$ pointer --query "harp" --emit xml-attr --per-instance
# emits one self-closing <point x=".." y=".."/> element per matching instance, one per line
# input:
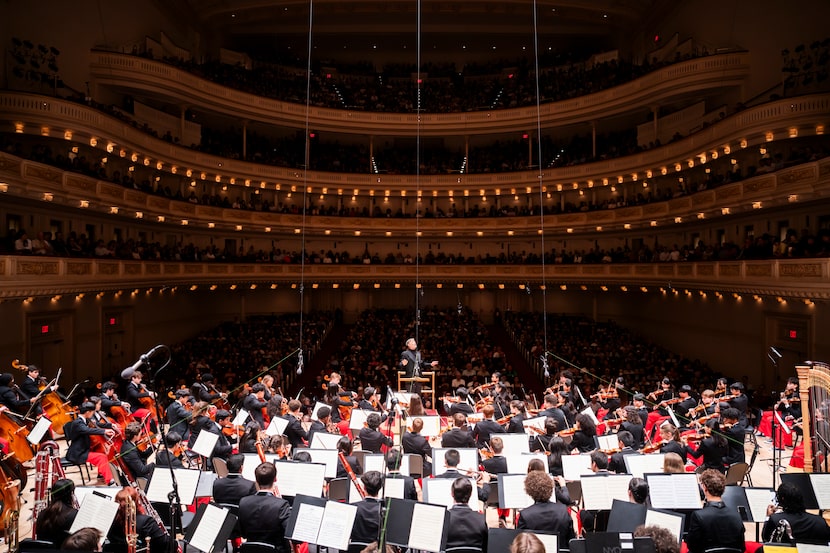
<point x="814" y="389"/>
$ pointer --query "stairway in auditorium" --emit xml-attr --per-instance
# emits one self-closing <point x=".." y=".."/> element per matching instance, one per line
<point x="319" y="362"/>
<point x="513" y="357"/>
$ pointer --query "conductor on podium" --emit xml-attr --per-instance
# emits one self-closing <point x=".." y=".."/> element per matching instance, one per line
<point x="412" y="363"/>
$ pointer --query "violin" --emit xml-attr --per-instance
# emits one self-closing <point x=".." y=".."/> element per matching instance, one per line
<point x="655" y="393"/>
<point x="614" y="422"/>
<point x="567" y="432"/>
<point x="486" y="453"/>
<point x="654" y="446"/>
<point x="505" y="419"/>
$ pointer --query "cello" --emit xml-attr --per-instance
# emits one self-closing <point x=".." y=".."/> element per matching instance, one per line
<point x="56" y="408"/>
<point x="15" y="433"/>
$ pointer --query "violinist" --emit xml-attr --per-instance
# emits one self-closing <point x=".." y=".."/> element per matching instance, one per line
<point x="268" y="382"/>
<point x="712" y="448"/>
<point x="518" y="411"/>
<point x="255" y="402"/>
<point x="413" y="442"/>
<point x="179" y="414"/>
<point x="134" y="458"/>
<point x="610" y="398"/>
<point x="738" y="400"/>
<point x="371" y="439"/>
<point x="687" y="403"/>
<point x="451" y="459"/>
<point x="170" y="455"/>
<point x="789" y="405"/>
<point x="277" y="405"/>
<point x="497" y="464"/>
<point x="277" y="446"/>
<point x="223" y="448"/>
<point x="11" y="397"/>
<point x="707" y="405"/>
<point x="371" y="402"/>
<point x="551" y="409"/>
<point x="294" y="431"/>
<point x="659" y="400"/>
<point x="583" y="439"/>
<point x="638" y="401"/>
<point x="458" y="435"/>
<point x="486" y="428"/>
<point x="461" y="406"/>
<point x="541" y="442"/>
<point x="78" y="433"/>
<point x="136" y="391"/>
<point x="232" y="488"/>
<point x="200" y="420"/>
<point x="249" y="438"/>
<point x="735" y="434"/>
<point x="626" y="443"/>
<point x="721" y="387"/>
<point x="633" y="423"/>
<point x="670" y="440"/>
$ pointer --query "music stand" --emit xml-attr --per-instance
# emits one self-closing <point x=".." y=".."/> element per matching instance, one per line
<point x="426" y="377"/>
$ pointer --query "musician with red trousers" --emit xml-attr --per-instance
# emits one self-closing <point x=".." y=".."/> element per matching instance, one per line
<point x="78" y="433"/>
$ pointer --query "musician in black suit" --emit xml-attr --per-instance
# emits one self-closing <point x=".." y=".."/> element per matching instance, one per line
<point x="371" y="439"/>
<point x="170" y="455"/>
<point x="132" y="457"/>
<point x="344" y="446"/>
<point x="136" y="392"/>
<point x="367" y="518"/>
<point x="805" y="527"/>
<point x="617" y="462"/>
<point x="486" y="428"/>
<point x="412" y="364"/>
<point x="232" y="488"/>
<point x="263" y="516"/>
<point x="551" y="409"/>
<point x="543" y="515"/>
<point x="451" y="460"/>
<point x="321" y="424"/>
<point x="517" y="409"/>
<point x="255" y="403"/>
<point x="223" y="447"/>
<point x="714" y="525"/>
<point x="295" y="433"/>
<point x="739" y="400"/>
<point x="467" y="528"/>
<point x="109" y="399"/>
<point x="638" y="401"/>
<point x="178" y="416"/>
<point x="413" y="442"/>
<point x="204" y="390"/>
<point x="30" y="387"/>
<point x="497" y="464"/>
<point x="633" y="423"/>
<point x="462" y="405"/>
<point x="393" y="470"/>
<point x="687" y="402"/>
<point x="371" y="402"/>
<point x="735" y="434"/>
<point x="458" y="436"/>
<point x="78" y="433"/>
<point x="10" y="396"/>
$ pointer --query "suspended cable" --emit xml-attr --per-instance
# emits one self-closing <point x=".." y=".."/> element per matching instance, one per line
<point x="419" y="291"/>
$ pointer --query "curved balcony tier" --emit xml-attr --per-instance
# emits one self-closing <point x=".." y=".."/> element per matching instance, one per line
<point x="683" y="79"/>
<point x="798" y="279"/>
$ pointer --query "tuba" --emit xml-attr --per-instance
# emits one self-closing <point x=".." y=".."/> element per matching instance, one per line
<point x="783" y="533"/>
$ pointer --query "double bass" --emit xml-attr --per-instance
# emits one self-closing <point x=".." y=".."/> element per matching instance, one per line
<point x="56" y="408"/>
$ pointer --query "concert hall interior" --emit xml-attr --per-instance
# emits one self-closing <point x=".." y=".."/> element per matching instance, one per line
<point x="537" y="217"/>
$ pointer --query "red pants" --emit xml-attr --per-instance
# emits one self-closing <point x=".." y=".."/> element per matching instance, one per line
<point x="102" y="463"/>
<point x="654" y="419"/>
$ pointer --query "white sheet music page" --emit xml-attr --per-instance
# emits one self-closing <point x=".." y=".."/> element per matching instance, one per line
<point x="674" y="491"/>
<point x="394" y="487"/>
<point x="324" y="441"/>
<point x="336" y="527"/>
<point x="514" y="443"/>
<point x="513" y="491"/>
<point x="759" y="499"/>
<point x="426" y="516"/>
<point x="241" y="416"/>
<point x="205" y="443"/>
<point x="550" y="541"/>
<point x="317" y="406"/>
<point x="469" y="459"/>
<point x="438" y="491"/>
<point x="358" y="418"/>
<point x="432" y="425"/>
<point x="575" y="466"/>
<point x="672" y="523"/>
<point x="599" y="492"/>
<point x="96" y="512"/>
<point x="162" y="484"/>
<point x="277" y="426"/>
<point x="37" y="433"/>
<point x="638" y="465"/>
<point x="308" y="523"/>
<point x="204" y="538"/>
<point x="300" y="478"/>
<point x="821" y="487"/>
<point x="517" y="463"/>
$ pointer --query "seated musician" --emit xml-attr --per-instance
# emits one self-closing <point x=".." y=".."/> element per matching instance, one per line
<point x="568" y="407"/>
<point x="321" y="425"/>
<point x="295" y="433"/>
<point x="467" y="528"/>
<point x="610" y="400"/>
<point x="336" y="398"/>
<point x="109" y="399"/>
<point x="11" y="398"/>
<point x="344" y="446"/>
<point x="171" y="453"/>
<point x="586" y="431"/>
<point x="526" y="542"/>
<point x="739" y="400"/>
<point x="805" y="527"/>
<point x="233" y="487"/>
<point x="79" y="452"/>
<point x="413" y="442"/>
<point x="588" y="517"/>
<point x="670" y="440"/>
<point x="83" y="539"/>
<point x="223" y="448"/>
<point x="558" y="448"/>
<point x="712" y="448"/>
<point x="706" y="408"/>
<point x="367" y="518"/>
<point x="263" y="517"/>
<point x="249" y="438"/>
<point x="255" y="404"/>
<point x="714" y="525"/>
<point x="200" y="420"/>
<point x="673" y="464"/>
<point x="633" y="423"/>
<point x="544" y="515"/>
<point x="497" y="464"/>
<point x="133" y="458"/>
<point x="393" y="470"/>
<point x="148" y="530"/>
<point x="458" y="435"/>
<point x="541" y="442"/>
<point x="735" y="433"/>
<point x="687" y="403"/>
<point x="663" y="538"/>
<point x="371" y="402"/>
<point x="638" y="491"/>
<point x="517" y="410"/>
<point x="99" y="417"/>
<point x="638" y="401"/>
<point x="371" y="439"/>
<point x="54" y="522"/>
<point x="721" y="387"/>
<point x="276" y="444"/>
<point x="204" y="390"/>
<point x="626" y="443"/>
<point x="30" y="387"/>
<point x="789" y="404"/>
<point x="486" y="428"/>
<point x="660" y="397"/>
<point x="179" y="415"/>
<point x="451" y="460"/>
<point x="461" y="406"/>
<point x="135" y="393"/>
<point x="551" y="408"/>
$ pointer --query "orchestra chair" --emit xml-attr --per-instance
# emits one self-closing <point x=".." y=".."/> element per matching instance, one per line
<point x="575" y="491"/>
<point x="416" y="465"/>
<point x="736" y="473"/>
<point x="339" y="489"/>
<point x="119" y="475"/>
<point x="257" y="547"/>
<point x="220" y="466"/>
<point x="360" y="455"/>
<point x="65" y="463"/>
<point x="142" y="482"/>
<point x="752" y="459"/>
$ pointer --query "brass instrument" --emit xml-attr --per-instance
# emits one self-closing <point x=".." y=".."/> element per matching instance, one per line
<point x="11" y="528"/>
<point x="130" y="532"/>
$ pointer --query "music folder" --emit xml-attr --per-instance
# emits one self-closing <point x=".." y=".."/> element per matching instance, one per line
<point x="801" y="480"/>
<point x="407" y="519"/>
<point x="319" y="521"/>
<point x="625" y="516"/>
<point x="211" y="527"/>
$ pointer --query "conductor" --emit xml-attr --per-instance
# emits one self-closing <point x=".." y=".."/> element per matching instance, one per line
<point x="413" y="365"/>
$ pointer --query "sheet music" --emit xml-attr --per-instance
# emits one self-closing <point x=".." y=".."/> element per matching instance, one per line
<point x="608" y="441"/>
<point x="517" y="464"/>
<point x="300" y="478"/>
<point x="438" y="491"/>
<point x="536" y="422"/>
<point x="638" y="465"/>
<point x="672" y="523"/>
<point x="277" y="426"/>
<point x="783" y="425"/>
<point x="426" y="516"/>
<point x="590" y="412"/>
<point x="821" y="487"/>
<point x="82" y="491"/>
<point x="213" y="518"/>
<point x="326" y="456"/>
<point x="394" y="487"/>
<point x="162" y="484"/>
<point x="205" y="487"/>
<point x="374" y="461"/>
<point x="808" y="548"/>
<point x="336" y="526"/>
<point x="575" y="466"/>
<point x="469" y="459"/>
<point x="308" y="523"/>
<point x="317" y="406"/>
<point x="512" y="488"/>
<point x="513" y="442"/>
<point x="673" y="418"/>
<point x="599" y="492"/>
<point x="550" y="541"/>
<point x="673" y="491"/>
<point x="403" y="397"/>
<point x="96" y="512"/>
<point x="356" y="422"/>
<point x="205" y="443"/>
<point x="432" y="425"/>
<point x="321" y="440"/>
<point x="354" y="495"/>
<point x="240" y="418"/>
<point x="39" y="430"/>
<point x="758" y="500"/>
<point x="252" y="461"/>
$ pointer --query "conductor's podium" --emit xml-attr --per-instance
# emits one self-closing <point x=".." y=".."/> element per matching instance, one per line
<point x="426" y="378"/>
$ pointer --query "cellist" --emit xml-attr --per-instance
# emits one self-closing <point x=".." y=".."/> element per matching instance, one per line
<point x="11" y="397"/>
<point x="136" y="392"/>
<point x="30" y="387"/>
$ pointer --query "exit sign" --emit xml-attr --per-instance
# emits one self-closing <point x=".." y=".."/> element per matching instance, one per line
<point x="793" y="335"/>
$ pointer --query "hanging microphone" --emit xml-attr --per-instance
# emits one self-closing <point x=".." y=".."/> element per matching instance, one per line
<point x="143" y="359"/>
<point x="300" y="362"/>
<point x="544" y="359"/>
